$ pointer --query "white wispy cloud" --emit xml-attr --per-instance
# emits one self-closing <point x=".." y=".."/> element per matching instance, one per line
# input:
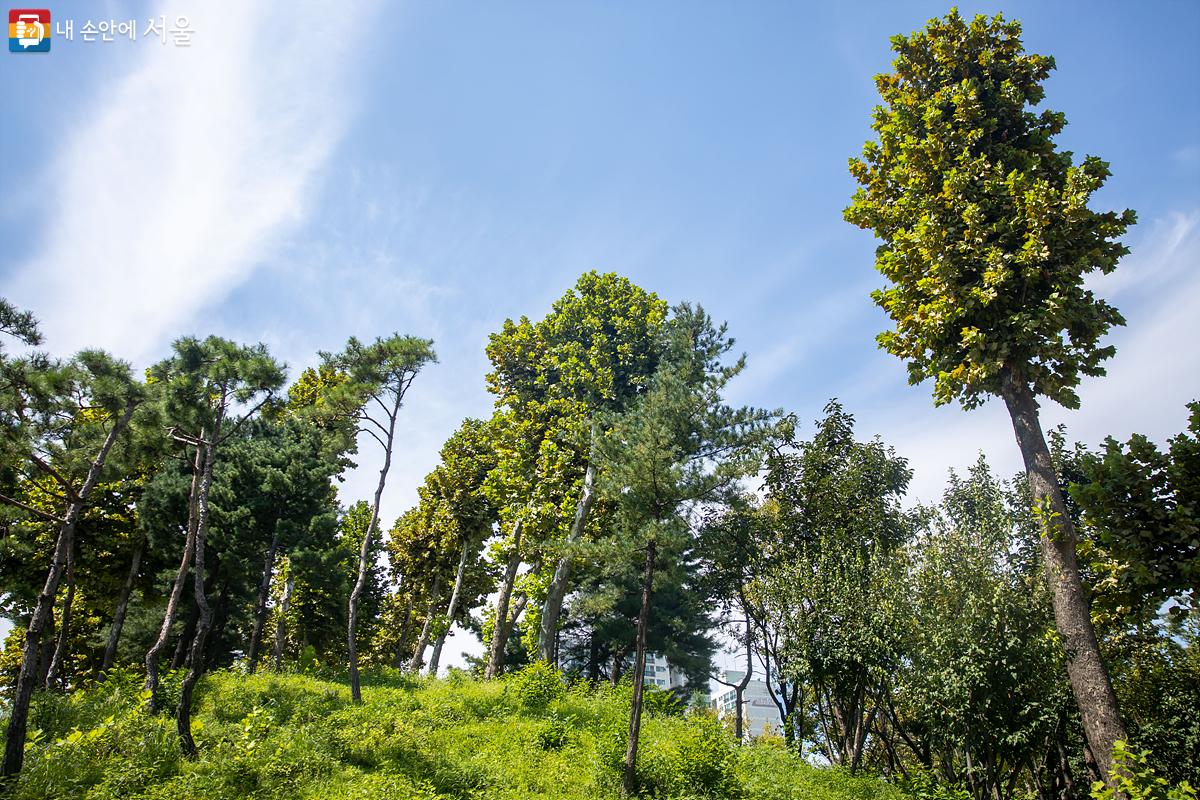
<point x="183" y="177"/>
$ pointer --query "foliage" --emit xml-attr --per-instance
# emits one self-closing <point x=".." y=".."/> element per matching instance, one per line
<point x="1141" y="509"/>
<point x="266" y="736"/>
<point x="986" y="232"/>
<point x="1135" y="780"/>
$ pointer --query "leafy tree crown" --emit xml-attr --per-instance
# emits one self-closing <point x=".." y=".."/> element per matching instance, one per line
<point x="986" y="232"/>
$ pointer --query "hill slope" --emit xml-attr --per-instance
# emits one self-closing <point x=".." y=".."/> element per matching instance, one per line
<point x="294" y="736"/>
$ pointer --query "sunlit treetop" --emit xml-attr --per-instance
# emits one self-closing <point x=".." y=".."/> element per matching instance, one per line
<point x="986" y="233"/>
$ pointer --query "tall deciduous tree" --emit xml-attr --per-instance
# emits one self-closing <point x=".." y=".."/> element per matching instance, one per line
<point x="591" y="355"/>
<point x="378" y="376"/>
<point x="832" y="573"/>
<point x="986" y="241"/>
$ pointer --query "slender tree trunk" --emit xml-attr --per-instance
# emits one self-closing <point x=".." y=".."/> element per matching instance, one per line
<point x="183" y="714"/>
<point x="184" y="640"/>
<point x="593" y="666"/>
<point x="629" y="781"/>
<point x="281" y="622"/>
<point x="557" y="591"/>
<point x="402" y="640"/>
<point x="360" y="583"/>
<point x="164" y="632"/>
<point x="118" y="622"/>
<point x="54" y="676"/>
<point x="260" y="610"/>
<point x="501" y="630"/>
<point x="419" y="651"/>
<point x="18" y="718"/>
<point x="743" y="683"/>
<point x="1089" y="678"/>
<point x="436" y="656"/>
<point x="46" y="653"/>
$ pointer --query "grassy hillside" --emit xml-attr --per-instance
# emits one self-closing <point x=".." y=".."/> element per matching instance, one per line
<point x="293" y="736"/>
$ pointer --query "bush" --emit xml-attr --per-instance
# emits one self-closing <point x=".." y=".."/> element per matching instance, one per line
<point x="1136" y="780"/>
<point x="537" y="685"/>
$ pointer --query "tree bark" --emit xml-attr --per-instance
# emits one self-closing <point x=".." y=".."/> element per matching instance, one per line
<point x="402" y="638"/>
<point x="54" y="676"/>
<point x="184" y="641"/>
<point x="118" y="622"/>
<point x="360" y="583"/>
<point x="1089" y="678"/>
<point x="436" y="656"/>
<point x="557" y="591"/>
<point x="419" y="651"/>
<point x="155" y="652"/>
<point x="183" y="714"/>
<point x="629" y="780"/>
<point x="18" y="719"/>
<point x="260" y="610"/>
<point x="281" y="622"/>
<point x="501" y="630"/>
<point x="740" y="688"/>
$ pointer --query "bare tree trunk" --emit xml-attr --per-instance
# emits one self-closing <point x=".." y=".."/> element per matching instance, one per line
<point x="155" y="652"/>
<point x="47" y="653"/>
<point x="740" y="688"/>
<point x="419" y="651"/>
<point x="118" y="622"/>
<point x="260" y="610"/>
<point x="1089" y="678"/>
<point x="184" y="641"/>
<point x="501" y="630"/>
<point x="436" y="656"/>
<point x="402" y="638"/>
<point x="18" y="718"/>
<point x="360" y="583"/>
<point x="281" y="622"/>
<point x="557" y="591"/>
<point x="629" y="780"/>
<point x="183" y="714"/>
<point x="54" y="678"/>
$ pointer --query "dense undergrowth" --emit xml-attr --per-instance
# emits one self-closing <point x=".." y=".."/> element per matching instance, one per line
<point x="297" y="736"/>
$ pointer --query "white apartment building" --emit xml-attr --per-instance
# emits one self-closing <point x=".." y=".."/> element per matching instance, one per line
<point x="661" y="674"/>
<point x="759" y="712"/>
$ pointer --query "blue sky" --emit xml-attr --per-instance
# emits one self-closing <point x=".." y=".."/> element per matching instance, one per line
<point x="307" y="171"/>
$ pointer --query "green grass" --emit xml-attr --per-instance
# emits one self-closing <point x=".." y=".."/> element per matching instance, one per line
<point x="295" y="736"/>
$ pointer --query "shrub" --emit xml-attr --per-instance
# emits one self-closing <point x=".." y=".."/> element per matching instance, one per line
<point x="1136" y="780"/>
<point x="537" y="685"/>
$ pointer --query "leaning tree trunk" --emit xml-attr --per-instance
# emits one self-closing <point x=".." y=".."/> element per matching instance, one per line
<point x="18" y="717"/>
<point x="1089" y="678"/>
<point x="557" y="591"/>
<point x="183" y="714"/>
<point x="629" y="781"/>
<point x="281" y="622"/>
<point x="54" y="676"/>
<point x="164" y="632"/>
<point x="419" y="651"/>
<point x="500" y="630"/>
<point x="360" y="582"/>
<point x="436" y="656"/>
<point x="118" y="622"/>
<point x="260" y="611"/>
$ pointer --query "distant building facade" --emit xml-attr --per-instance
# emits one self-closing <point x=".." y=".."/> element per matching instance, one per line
<point x="759" y="712"/>
<point x="660" y="673"/>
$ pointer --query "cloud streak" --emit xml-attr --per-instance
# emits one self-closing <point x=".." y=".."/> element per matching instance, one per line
<point x="183" y="177"/>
